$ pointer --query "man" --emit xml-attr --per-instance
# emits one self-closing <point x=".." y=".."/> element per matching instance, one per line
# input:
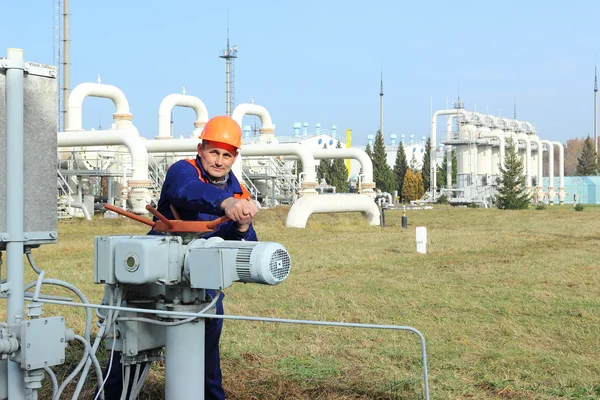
<point x="204" y="189"/>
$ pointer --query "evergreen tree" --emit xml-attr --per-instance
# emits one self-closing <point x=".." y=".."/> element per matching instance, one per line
<point x="414" y="165"/>
<point x="425" y="169"/>
<point x="400" y="167"/>
<point x="323" y="170"/>
<point x="512" y="190"/>
<point x="382" y="173"/>
<point x="339" y="174"/>
<point x="410" y="188"/>
<point x="420" y="186"/>
<point x="587" y="163"/>
<point x="369" y="151"/>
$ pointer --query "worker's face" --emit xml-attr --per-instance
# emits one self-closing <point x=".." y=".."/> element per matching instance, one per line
<point x="216" y="158"/>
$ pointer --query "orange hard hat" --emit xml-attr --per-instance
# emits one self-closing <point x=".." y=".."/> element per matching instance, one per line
<point x="223" y="129"/>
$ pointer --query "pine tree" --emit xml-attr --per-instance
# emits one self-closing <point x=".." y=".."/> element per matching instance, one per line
<point x="323" y="170"/>
<point x="410" y="188"/>
<point x="369" y="151"/>
<point x="400" y="167"/>
<point x="339" y="174"/>
<point x="382" y="173"/>
<point x="512" y="190"/>
<point x="587" y="163"/>
<point x="425" y="169"/>
<point x="414" y="165"/>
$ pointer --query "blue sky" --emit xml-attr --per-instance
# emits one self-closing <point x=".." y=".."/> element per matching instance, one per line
<point x="320" y="61"/>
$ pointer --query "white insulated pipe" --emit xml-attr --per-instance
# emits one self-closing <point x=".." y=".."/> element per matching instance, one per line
<point x="366" y="165"/>
<point x="540" y="159"/>
<point x="432" y="172"/>
<point x="308" y="161"/>
<point x="182" y="100"/>
<point x="259" y="111"/>
<point x="305" y="206"/>
<point x="172" y="146"/>
<point x="525" y="138"/>
<point x="561" y="172"/>
<point x="500" y="138"/>
<point x="139" y="182"/>
<point x="88" y="89"/>
<point x="551" y="192"/>
<point x="449" y="150"/>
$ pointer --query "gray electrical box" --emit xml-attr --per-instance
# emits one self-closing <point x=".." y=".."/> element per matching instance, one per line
<point x="40" y="150"/>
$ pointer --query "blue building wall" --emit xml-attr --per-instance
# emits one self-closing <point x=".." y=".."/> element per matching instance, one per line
<point x="587" y="189"/>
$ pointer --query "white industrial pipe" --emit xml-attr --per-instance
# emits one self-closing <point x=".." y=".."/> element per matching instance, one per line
<point x="449" y="120"/>
<point x="366" y="165"/>
<point x="540" y="159"/>
<point x="139" y="182"/>
<point x="172" y="146"/>
<point x="308" y="162"/>
<point x="525" y="138"/>
<point x="254" y="109"/>
<point x="500" y="138"/>
<point x="432" y="168"/>
<point x="84" y="90"/>
<point x="331" y="203"/>
<point x="551" y="192"/>
<point x="172" y="100"/>
<point x="561" y="172"/>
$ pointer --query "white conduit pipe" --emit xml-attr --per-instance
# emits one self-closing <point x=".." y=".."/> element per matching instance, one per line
<point x="540" y="159"/>
<point x="550" y="149"/>
<point x="83" y="90"/>
<point x="254" y="109"/>
<point x="307" y="205"/>
<point x="172" y="146"/>
<point x="449" y="150"/>
<point x="500" y="138"/>
<point x="561" y="172"/>
<point x="308" y="161"/>
<point x="139" y="182"/>
<point x="433" y="151"/>
<point x="366" y="165"/>
<point x="172" y="100"/>
<point x="525" y="138"/>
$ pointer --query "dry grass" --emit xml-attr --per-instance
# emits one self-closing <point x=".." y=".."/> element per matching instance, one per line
<point x="508" y="303"/>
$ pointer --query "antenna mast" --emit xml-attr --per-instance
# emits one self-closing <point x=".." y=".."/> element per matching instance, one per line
<point x="596" y="110"/>
<point x="381" y="106"/>
<point x="229" y="54"/>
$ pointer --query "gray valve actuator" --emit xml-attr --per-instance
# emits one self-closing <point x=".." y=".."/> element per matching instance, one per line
<point x="203" y="263"/>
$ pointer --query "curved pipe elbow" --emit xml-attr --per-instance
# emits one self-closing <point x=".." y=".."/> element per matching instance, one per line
<point x="361" y="156"/>
<point x="305" y="156"/>
<point x="182" y="100"/>
<point x="305" y="206"/>
<point x="87" y="89"/>
<point x="253" y="109"/>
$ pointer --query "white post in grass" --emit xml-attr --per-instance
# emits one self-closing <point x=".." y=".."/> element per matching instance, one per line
<point x="421" y="240"/>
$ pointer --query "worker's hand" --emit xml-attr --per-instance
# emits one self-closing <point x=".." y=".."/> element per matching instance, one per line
<point x="240" y="210"/>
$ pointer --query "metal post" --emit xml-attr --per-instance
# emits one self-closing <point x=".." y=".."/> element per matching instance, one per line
<point x="66" y="65"/>
<point x="184" y="361"/>
<point x="15" y="206"/>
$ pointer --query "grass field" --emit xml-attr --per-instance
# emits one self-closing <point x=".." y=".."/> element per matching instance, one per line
<point x="508" y="301"/>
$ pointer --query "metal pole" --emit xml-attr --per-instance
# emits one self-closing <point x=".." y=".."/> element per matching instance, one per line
<point x="66" y="65"/>
<point x="15" y="207"/>
<point x="228" y="86"/>
<point x="184" y="361"/>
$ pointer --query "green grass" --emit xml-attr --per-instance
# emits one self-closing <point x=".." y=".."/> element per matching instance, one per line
<point x="507" y="300"/>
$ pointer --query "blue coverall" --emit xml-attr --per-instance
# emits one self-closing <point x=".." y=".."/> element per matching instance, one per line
<point x="195" y="200"/>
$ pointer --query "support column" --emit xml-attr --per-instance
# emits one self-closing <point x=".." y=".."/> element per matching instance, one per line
<point x="15" y="207"/>
<point x="184" y="361"/>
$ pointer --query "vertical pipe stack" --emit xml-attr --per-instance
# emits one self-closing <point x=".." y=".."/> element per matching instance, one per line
<point x="15" y="208"/>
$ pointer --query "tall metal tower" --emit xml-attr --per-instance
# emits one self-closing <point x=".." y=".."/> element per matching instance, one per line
<point x="381" y="106"/>
<point x="596" y="110"/>
<point x="57" y="58"/>
<point x="66" y="64"/>
<point x="229" y="54"/>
